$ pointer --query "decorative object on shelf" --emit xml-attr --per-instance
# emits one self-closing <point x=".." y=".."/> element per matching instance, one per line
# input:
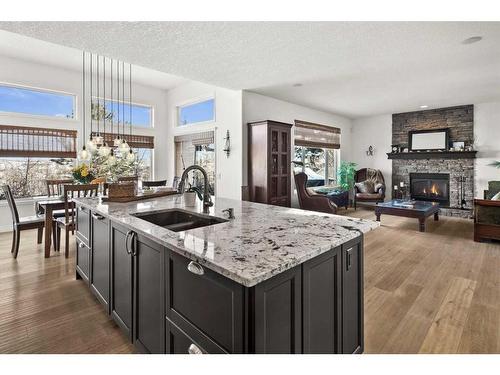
<point x="459" y="146"/>
<point x="369" y="152"/>
<point x="82" y="174"/>
<point x="394" y="149"/>
<point x="227" y="144"/>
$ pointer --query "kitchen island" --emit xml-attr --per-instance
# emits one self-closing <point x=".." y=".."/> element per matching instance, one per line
<point x="269" y="280"/>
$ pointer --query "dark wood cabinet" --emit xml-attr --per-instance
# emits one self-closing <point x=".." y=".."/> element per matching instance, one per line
<point x="167" y="303"/>
<point x="322" y="293"/>
<point x="352" y="297"/>
<point x="269" y="162"/>
<point x="99" y="258"/>
<point x="277" y="309"/>
<point x="83" y="225"/>
<point x="149" y="296"/>
<point x="82" y="260"/>
<point x="121" y="299"/>
<point x="209" y="302"/>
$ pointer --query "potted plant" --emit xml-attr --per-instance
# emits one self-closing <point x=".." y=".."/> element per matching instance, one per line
<point x="346" y="176"/>
<point x="190" y="196"/>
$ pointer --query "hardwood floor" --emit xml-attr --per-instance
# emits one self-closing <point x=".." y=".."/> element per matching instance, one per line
<point x="433" y="292"/>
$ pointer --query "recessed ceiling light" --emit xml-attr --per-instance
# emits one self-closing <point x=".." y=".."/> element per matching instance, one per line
<point x="424" y="106"/>
<point x="472" y="39"/>
<point x="297" y="84"/>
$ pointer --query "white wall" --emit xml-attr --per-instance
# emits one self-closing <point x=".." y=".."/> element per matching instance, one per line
<point x="228" y="109"/>
<point x="487" y="134"/>
<point x="25" y="73"/>
<point x="377" y="132"/>
<point x="258" y="107"/>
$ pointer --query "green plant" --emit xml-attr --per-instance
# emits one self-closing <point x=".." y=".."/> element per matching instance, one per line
<point x="495" y="164"/>
<point x="195" y="189"/>
<point x="346" y="175"/>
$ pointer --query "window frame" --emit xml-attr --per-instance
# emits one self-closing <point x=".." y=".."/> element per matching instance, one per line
<point x="192" y="102"/>
<point x="150" y="106"/>
<point x="326" y="170"/>
<point x="74" y="96"/>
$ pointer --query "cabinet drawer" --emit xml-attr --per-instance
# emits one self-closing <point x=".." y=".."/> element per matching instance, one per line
<point x="82" y="259"/>
<point x="189" y="341"/>
<point x="83" y="224"/>
<point x="210" y="302"/>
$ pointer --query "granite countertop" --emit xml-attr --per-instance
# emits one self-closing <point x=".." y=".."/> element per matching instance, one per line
<point x="260" y="242"/>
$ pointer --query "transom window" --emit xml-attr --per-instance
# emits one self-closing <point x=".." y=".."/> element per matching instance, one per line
<point x="142" y="115"/>
<point x="24" y="100"/>
<point x="203" y="111"/>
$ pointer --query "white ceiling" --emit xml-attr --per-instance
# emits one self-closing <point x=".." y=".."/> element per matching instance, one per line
<point x="34" y="50"/>
<point x="351" y="68"/>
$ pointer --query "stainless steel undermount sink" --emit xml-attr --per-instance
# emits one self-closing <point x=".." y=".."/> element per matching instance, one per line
<point x="178" y="220"/>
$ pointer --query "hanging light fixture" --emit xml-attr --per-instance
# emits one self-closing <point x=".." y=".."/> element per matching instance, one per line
<point x="124" y="147"/>
<point x="104" y="150"/>
<point x="97" y="138"/>
<point x="117" y="141"/>
<point x="91" y="144"/>
<point x="131" y="155"/>
<point x="83" y="155"/>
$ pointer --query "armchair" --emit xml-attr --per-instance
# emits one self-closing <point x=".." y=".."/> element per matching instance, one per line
<point x="378" y="179"/>
<point x="309" y="200"/>
<point x="486" y="219"/>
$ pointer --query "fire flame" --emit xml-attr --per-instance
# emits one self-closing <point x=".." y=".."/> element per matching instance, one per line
<point x="434" y="190"/>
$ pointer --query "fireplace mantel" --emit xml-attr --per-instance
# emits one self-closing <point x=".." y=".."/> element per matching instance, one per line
<point x="433" y="155"/>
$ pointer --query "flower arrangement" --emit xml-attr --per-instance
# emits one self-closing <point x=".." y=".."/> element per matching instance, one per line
<point x="82" y="174"/>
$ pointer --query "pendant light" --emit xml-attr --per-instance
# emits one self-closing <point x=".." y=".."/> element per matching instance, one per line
<point x="83" y="155"/>
<point x="91" y="144"/>
<point x="98" y="139"/>
<point x="124" y="147"/>
<point x="131" y="155"/>
<point x="117" y="141"/>
<point x="104" y="150"/>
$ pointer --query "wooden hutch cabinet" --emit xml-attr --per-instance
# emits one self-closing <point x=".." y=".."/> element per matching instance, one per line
<point x="269" y="162"/>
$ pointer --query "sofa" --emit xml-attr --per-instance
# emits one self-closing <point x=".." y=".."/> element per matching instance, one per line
<point x="487" y="214"/>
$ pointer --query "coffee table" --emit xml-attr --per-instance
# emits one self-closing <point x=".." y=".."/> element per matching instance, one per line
<point x="421" y="210"/>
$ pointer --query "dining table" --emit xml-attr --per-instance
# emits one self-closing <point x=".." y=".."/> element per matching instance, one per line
<point x="47" y="207"/>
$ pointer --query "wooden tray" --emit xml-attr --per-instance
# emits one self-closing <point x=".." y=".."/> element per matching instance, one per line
<point x="141" y="196"/>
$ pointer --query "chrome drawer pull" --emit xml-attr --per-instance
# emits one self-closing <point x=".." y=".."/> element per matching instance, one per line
<point x="195" y="268"/>
<point x="193" y="349"/>
<point x="97" y="216"/>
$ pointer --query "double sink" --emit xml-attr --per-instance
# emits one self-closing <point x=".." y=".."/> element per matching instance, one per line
<point x="178" y="220"/>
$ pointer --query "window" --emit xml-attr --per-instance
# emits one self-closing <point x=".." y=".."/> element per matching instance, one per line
<point x="142" y="115"/>
<point x="196" y="112"/>
<point x="144" y="163"/>
<point x="28" y="101"/>
<point x="26" y="175"/>
<point x="196" y="149"/>
<point x="320" y="165"/>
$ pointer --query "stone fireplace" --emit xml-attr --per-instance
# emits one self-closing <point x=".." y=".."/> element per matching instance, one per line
<point x="452" y="174"/>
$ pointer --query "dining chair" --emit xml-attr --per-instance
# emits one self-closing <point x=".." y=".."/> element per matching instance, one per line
<point x="23" y="223"/>
<point x="128" y="178"/>
<point x="154" y="183"/>
<point x="55" y="187"/>
<point x="69" y="220"/>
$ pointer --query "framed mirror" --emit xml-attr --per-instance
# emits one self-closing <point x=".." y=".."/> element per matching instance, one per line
<point x="434" y="140"/>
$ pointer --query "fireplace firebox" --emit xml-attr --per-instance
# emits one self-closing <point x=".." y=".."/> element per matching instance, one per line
<point x="434" y="187"/>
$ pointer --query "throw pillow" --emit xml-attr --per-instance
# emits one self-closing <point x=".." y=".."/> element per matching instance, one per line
<point x="378" y="186"/>
<point x="496" y="197"/>
<point x="365" y="187"/>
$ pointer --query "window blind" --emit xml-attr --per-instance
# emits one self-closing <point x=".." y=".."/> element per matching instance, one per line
<point x="309" y="134"/>
<point x="24" y="141"/>
<point x="134" y="141"/>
